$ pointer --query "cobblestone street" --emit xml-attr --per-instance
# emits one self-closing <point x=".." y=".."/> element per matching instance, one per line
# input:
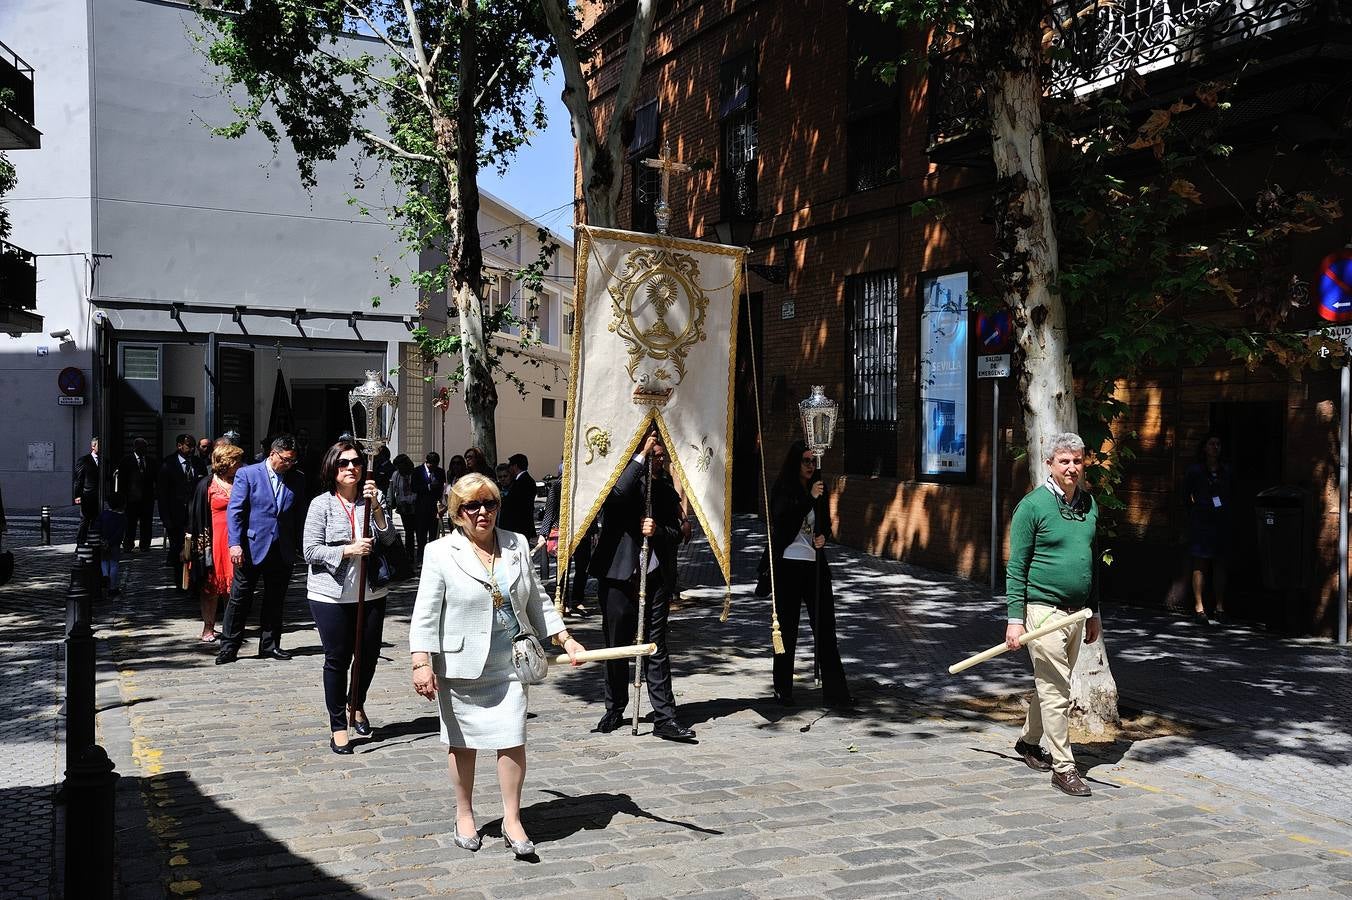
<point x="228" y="788"/>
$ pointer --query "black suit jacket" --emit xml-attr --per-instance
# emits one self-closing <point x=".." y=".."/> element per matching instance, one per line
<point x="85" y="484"/>
<point x="136" y="480"/>
<point x="617" y="549"/>
<point x="518" y="508"/>
<point x="174" y="488"/>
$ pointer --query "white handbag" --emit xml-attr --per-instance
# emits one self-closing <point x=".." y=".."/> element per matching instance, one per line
<point x="528" y="654"/>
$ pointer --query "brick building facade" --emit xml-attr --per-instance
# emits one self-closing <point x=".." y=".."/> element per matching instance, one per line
<point x="823" y="166"/>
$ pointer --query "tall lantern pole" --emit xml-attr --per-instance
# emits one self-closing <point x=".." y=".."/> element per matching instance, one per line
<point x="372" y="404"/>
<point x="819" y="414"/>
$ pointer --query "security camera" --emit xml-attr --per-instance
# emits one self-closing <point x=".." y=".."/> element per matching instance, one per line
<point x="100" y="315"/>
<point x="62" y="335"/>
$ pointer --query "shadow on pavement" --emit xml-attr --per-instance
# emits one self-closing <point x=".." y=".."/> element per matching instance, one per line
<point x="176" y="841"/>
<point x="564" y="816"/>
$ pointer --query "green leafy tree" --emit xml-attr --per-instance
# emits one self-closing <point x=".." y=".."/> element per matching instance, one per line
<point x="432" y="89"/>
<point x="8" y="180"/>
<point x="1108" y="299"/>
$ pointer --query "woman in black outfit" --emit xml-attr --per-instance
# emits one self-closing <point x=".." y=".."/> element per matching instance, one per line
<point x="803" y="575"/>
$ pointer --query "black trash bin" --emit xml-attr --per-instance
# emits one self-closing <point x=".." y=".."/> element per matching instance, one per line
<point x="1282" y="519"/>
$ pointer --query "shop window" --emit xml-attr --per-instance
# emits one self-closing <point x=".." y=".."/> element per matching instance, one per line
<point x="871" y="407"/>
<point x="943" y="375"/>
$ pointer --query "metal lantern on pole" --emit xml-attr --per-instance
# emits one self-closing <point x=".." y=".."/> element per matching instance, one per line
<point x="819" y="414"/>
<point x="372" y="405"/>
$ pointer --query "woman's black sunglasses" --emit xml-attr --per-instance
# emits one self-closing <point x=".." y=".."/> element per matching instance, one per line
<point x="343" y="462"/>
<point x="473" y="506"/>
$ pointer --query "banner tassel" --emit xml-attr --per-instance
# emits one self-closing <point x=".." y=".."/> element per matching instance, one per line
<point x="727" y="604"/>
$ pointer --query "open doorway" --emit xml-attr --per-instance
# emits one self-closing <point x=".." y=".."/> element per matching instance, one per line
<point x="1252" y="437"/>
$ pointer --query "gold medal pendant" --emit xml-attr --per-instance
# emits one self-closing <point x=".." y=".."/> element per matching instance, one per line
<point x="498" y="599"/>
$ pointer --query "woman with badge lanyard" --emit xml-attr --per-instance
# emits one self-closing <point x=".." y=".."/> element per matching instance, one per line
<point x="803" y="576"/>
<point x="333" y="548"/>
<point x="1208" y="484"/>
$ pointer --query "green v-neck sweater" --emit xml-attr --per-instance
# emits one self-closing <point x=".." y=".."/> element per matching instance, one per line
<point x="1051" y="555"/>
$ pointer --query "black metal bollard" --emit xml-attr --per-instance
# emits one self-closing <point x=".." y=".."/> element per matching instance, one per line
<point x="90" y="823"/>
<point x="79" y="661"/>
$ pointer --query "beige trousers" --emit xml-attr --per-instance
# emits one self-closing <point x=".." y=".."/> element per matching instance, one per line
<point x="1053" y="659"/>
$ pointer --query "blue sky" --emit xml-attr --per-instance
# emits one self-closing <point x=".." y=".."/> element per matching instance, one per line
<point x="539" y="181"/>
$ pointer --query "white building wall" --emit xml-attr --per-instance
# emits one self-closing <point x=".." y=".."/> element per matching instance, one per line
<point x="521" y="424"/>
<point x="129" y="168"/>
<point x="51" y="214"/>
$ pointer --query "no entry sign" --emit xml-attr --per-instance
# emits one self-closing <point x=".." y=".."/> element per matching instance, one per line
<point x="1335" y="286"/>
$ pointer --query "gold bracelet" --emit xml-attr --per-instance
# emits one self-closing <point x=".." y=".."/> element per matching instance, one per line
<point x="417" y="666"/>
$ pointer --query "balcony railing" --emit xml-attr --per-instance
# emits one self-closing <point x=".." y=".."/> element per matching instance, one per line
<point x="18" y="278"/>
<point x="1093" y="50"/>
<point x="16" y="103"/>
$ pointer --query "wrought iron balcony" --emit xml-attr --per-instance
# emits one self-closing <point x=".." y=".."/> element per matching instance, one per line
<point x="18" y="290"/>
<point x="1163" y="41"/>
<point x="16" y="103"/>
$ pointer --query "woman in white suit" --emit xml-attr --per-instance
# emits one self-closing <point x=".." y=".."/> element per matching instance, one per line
<point x="475" y="582"/>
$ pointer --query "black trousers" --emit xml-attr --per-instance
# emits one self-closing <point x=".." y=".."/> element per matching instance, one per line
<point x="409" y="523"/>
<point x="424" y="523"/>
<point x="337" y="624"/>
<point x="794" y="589"/>
<point x="275" y="573"/>
<point x="581" y="561"/>
<point x="89" y="511"/>
<point x="173" y="542"/>
<point x="619" y="622"/>
<point x="139" y="515"/>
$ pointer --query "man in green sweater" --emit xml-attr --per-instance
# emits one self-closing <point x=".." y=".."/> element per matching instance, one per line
<point x="1051" y="573"/>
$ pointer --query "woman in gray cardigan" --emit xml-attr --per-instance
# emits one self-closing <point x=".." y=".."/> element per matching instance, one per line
<point x="478" y="591"/>
<point x="333" y="548"/>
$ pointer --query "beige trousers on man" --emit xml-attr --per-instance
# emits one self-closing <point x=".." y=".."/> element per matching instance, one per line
<point x="1053" y="659"/>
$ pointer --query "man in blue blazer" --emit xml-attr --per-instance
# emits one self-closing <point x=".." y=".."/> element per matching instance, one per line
<point x="264" y="521"/>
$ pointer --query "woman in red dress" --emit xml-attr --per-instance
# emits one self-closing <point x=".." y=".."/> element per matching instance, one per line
<point x="212" y="572"/>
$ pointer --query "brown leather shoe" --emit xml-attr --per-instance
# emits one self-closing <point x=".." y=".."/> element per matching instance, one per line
<point x="1034" y="756"/>
<point x="1070" y="783"/>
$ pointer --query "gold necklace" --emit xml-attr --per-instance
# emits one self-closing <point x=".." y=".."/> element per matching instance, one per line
<point x="493" y="590"/>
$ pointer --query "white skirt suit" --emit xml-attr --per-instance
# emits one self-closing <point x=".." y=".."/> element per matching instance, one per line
<point x="483" y="705"/>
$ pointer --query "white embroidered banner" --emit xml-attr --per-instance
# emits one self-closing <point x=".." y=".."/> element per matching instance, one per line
<point x="654" y="340"/>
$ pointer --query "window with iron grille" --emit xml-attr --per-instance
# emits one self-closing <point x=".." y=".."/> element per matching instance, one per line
<point x="873" y="105"/>
<point x="871" y="378"/>
<point x="645" y="179"/>
<point x="739" y="148"/>
<point x="547" y="407"/>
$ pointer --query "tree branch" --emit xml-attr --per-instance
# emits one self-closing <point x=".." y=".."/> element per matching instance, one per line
<point x="371" y="76"/>
<point x="575" y="94"/>
<point x="394" y="148"/>
<point x="415" y="38"/>
<point x="633" y="66"/>
<point x="385" y="38"/>
<point x="489" y="83"/>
